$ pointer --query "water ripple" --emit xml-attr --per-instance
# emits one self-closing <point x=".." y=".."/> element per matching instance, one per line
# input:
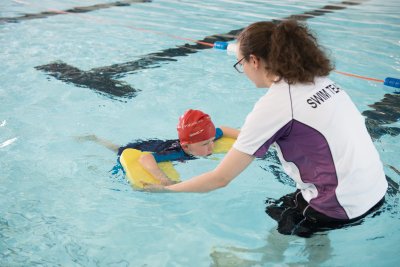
<point x="8" y="142"/>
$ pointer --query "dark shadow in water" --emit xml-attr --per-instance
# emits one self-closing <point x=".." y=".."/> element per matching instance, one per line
<point x="94" y="78"/>
<point x="272" y="164"/>
<point x="82" y="9"/>
<point x="111" y="88"/>
<point x="393" y="188"/>
<point x="386" y="111"/>
<point x="153" y="60"/>
<point x="82" y="78"/>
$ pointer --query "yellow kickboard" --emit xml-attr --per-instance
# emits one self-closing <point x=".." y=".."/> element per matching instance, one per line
<point x="139" y="177"/>
<point x="223" y="145"/>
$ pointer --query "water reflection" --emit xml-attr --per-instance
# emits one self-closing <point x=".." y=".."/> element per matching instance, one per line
<point x="316" y="251"/>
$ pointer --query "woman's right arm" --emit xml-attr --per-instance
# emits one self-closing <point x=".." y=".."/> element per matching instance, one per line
<point x="231" y="166"/>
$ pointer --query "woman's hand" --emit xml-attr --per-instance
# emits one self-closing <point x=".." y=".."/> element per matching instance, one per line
<point x="156" y="188"/>
<point x="166" y="181"/>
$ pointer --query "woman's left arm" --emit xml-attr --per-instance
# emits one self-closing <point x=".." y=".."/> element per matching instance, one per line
<point x="231" y="166"/>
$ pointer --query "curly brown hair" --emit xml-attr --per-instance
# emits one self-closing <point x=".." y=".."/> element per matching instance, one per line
<point x="289" y="50"/>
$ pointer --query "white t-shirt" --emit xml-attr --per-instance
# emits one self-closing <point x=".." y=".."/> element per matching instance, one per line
<point x="322" y="143"/>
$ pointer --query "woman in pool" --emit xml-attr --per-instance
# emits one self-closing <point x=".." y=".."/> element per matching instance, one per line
<point x="319" y="134"/>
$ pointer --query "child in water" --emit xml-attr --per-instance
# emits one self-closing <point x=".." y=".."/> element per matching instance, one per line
<point x="196" y="133"/>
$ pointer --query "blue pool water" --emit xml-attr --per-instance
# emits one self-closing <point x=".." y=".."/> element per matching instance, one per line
<point x="61" y="205"/>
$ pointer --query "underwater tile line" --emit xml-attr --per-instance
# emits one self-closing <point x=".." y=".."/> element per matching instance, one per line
<point x="83" y="9"/>
<point x="103" y="79"/>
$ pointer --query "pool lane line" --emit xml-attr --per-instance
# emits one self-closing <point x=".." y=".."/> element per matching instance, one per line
<point x="394" y="169"/>
<point x="393" y="186"/>
<point x="394" y="82"/>
<point x="104" y="82"/>
<point x="389" y="81"/>
<point x="101" y="84"/>
<point x="75" y="10"/>
<point x="90" y="78"/>
<point x="359" y="76"/>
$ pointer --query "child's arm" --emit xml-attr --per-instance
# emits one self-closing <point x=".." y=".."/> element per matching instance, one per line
<point x="149" y="164"/>
<point x="230" y="132"/>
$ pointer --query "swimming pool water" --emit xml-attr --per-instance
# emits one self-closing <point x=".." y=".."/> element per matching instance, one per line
<point x="61" y="205"/>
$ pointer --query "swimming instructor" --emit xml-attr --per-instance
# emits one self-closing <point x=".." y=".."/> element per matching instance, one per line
<point x="316" y="129"/>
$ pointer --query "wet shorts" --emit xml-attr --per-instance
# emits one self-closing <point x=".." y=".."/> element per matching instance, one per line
<point x="296" y="217"/>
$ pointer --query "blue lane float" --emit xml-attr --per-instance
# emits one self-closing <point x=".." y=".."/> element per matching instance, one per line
<point x="229" y="47"/>
<point x="220" y="45"/>
<point x="392" y="82"/>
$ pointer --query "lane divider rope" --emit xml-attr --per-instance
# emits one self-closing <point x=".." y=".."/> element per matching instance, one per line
<point x="231" y="48"/>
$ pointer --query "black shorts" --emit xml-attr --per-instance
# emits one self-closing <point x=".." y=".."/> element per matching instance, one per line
<point x="296" y="217"/>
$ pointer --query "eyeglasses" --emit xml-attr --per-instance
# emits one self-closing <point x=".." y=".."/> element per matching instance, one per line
<point x="239" y="66"/>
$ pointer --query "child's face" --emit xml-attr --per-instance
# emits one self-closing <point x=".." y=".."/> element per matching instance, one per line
<point x="201" y="149"/>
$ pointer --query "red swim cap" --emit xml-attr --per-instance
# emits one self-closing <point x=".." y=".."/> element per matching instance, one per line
<point x="195" y="126"/>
